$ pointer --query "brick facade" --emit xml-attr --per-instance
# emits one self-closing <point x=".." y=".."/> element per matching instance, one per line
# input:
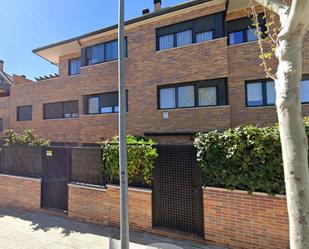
<point x="146" y="70"/>
<point x="238" y="220"/>
<point x="20" y="192"/>
<point x="101" y="206"/>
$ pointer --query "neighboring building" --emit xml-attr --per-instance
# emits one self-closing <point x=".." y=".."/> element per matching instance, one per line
<point x="191" y="67"/>
<point x="6" y="82"/>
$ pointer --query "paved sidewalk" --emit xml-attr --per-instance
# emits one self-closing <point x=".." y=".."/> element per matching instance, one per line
<point x="25" y="230"/>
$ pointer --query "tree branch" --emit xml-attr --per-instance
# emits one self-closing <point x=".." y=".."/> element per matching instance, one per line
<point x="276" y="6"/>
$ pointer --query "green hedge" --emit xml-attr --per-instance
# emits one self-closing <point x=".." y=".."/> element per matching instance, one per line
<point x="141" y="159"/>
<point x="247" y="158"/>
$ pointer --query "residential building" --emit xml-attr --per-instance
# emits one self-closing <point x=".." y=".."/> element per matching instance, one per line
<point x="189" y="68"/>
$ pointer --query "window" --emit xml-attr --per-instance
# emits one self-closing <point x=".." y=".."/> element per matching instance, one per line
<point x="242" y="30"/>
<point x="193" y="31"/>
<point x="196" y="94"/>
<point x="304" y="91"/>
<point x="102" y="103"/>
<point x="184" y="38"/>
<point x="167" y="98"/>
<point x="1" y="124"/>
<point x="263" y="93"/>
<point x="74" y="66"/>
<point x="67" y="109"/>
<point x="24" y="113"/>
<point x="255" y="94"/>
<point x="270" y="93"/>
<point x="99" y="53"/>
<point x="166" y="42"/>
<point x="93" y="105"/>
<point x="207" y="96"/>
<point x="186" y="96"/>
<point x="204" y="36"/>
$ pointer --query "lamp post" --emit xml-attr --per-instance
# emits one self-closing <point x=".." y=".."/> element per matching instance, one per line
<point x="123" y="171"/>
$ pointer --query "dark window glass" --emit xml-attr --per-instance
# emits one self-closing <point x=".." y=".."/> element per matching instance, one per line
<point x="24" y="113"/>
<point x="111" y="49"/>
<point x="103" y="103"/>
<point x="74" y="66"/>
<point x="236" y="37"/>
<point x="196" y="94"/>
<point x="1" y="124"/>
<point x="193" y="31"/>
<point x="67" y="109"/>
<point x="103" y="52"/>
<point x="242" y="30"/>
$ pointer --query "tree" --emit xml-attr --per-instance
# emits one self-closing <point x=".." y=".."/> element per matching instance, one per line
<point x="294" y="24"/>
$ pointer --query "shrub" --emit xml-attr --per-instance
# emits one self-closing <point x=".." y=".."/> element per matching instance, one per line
<point x="28" y="138"/>
<point x="141" y="158"/>
<point x="247" y="158"/>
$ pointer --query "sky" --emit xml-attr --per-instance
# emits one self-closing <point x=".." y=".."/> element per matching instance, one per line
<point x="28" y="24"/>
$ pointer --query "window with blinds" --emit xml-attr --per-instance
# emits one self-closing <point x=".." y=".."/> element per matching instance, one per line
<point x="67" y="109"/>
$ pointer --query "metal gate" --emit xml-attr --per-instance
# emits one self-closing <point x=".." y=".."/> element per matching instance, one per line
<point x="56" y="161"/>
<point x="177" y="194"/>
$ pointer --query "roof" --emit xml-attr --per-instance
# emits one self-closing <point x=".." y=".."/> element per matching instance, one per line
<point x="7" y="77"/>
<point x="74" y="42"/>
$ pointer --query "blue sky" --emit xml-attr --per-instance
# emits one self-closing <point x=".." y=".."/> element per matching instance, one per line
<point x="28" y="24"/>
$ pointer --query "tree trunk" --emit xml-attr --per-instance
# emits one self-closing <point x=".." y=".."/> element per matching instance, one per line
<point x="293" y="137"/>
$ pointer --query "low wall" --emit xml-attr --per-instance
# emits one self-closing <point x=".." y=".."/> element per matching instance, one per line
<point x="99" y="205"/>
<point x="239" y="220"/>
<point x="20" y="192"/>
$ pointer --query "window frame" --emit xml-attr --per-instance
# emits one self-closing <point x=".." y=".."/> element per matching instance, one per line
<point x="245" y="31"/>
<point x="264" y="92"/>
<point x="18" y="115"/>
<point x="69" y="66"/>
<point x="100" y="96"/>
<point x="214" y="22"/>
<point x="89" y="48"/>
<point x="304" y="78"/>
<point x="63" y="113"/>
<point x="206" y="31"/>
<point x="197" y="84"/>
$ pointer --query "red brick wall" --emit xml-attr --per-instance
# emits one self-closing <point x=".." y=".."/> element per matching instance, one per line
<point x="102" y="206"/>
<point x="20" y="192"/>
<point x="238" y="220"/>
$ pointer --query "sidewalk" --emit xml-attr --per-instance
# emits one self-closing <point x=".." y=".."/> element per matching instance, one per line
<point x="25" y="230"/>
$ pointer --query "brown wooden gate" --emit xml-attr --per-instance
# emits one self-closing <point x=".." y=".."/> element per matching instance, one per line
<point x="56" y="161"/>
<point x="177" y="194"/>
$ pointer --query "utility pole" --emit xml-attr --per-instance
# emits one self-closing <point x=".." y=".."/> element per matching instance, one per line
<point x="123" y="169"/>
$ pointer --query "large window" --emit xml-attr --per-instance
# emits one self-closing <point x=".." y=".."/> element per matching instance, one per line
<point x="24" y="113"/>
<point x="74" y="66"/>
<point x="67" y="109"/>
<point x="102" y="52"/>
<point x="195" y="94"/>
<point x="242" y="30"/>
<point x="263" y="93"/>
<point x="102" y="103"/>
<point x="193" y="31"/>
